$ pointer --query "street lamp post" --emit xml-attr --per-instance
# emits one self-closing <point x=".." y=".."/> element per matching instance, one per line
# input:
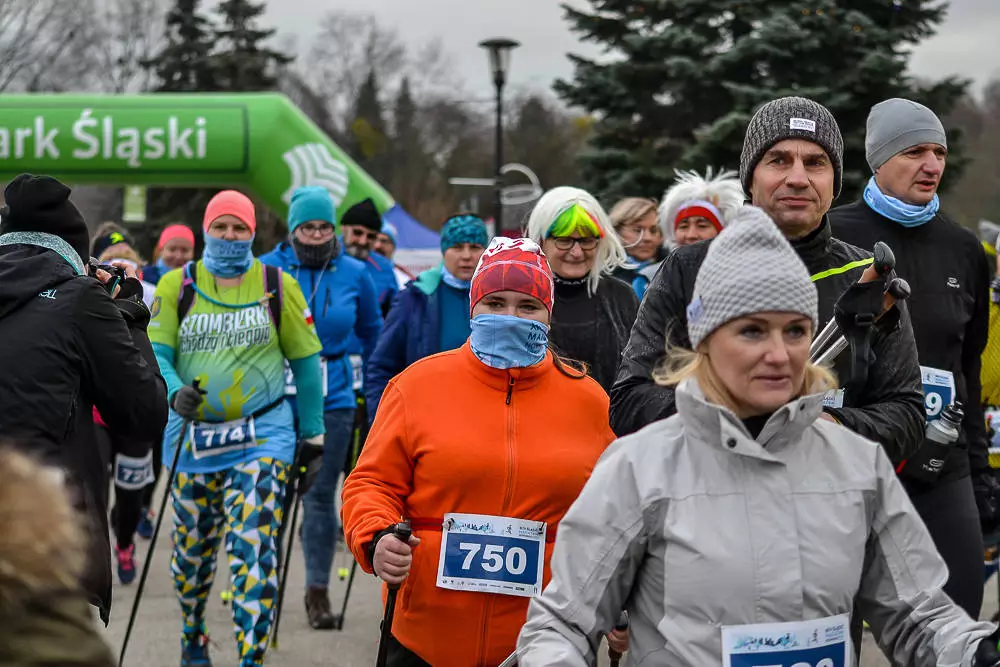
<point x="499" y="50"/>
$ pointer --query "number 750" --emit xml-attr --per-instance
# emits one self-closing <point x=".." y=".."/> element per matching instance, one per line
<point x="493" y="558"/>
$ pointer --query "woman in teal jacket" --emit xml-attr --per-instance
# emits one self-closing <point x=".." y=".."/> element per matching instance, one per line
<point x="343" y="300"/>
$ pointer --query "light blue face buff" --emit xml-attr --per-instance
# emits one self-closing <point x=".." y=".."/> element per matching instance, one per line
<point x="227" y="259"/>
<point x="908" y="215"/>
<point x="505" y="341"/>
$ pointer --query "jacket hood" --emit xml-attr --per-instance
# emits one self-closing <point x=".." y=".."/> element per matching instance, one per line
<point x="33" y="560"/>
<point x="28" y="270"/>
<point x="716" y="424"/>
<point x="428" y="281"/>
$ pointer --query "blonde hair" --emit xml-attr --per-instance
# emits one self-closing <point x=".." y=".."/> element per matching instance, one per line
<point x="682" y="364"/>
<point x="610" y="252"/>
<point x="631" y="209"/>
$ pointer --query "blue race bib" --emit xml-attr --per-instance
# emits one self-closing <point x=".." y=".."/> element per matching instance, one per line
<point x="820" y="643"/>
<point x="491" y="554"/>
<point x="939" y="391"/>
<point x="132" y="474"/>
<point x="215" y="439"/>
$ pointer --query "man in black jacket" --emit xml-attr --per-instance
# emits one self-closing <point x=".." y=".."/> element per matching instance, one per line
<point x="66" y="346"/>
<point x="945" y="265"/>
<point x="791" y="167"/>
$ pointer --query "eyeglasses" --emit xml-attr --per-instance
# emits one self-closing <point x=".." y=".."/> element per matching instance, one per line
<point x="322" y="229"/>
<point x="567" y="242"/>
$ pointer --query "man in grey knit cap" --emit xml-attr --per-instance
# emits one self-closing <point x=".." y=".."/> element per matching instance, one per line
<point x="791" y="168"/>
<point x="907" y="150"/>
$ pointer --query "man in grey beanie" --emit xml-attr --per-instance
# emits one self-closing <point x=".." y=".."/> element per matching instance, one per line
<point x="907" y="150"/>
<point x="791" y="168"/>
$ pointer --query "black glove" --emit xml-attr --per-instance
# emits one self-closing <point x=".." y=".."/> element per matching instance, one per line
<point x="130" y="289"/>
<point x="986" y="488"/>
<point x="987" y="654"/>
<point x="308" y="462"/>
<point x="187" y="401"/>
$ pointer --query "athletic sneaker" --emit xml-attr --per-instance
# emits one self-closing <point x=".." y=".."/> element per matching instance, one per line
<point x="126" y="564"/>
<point x="194" y="651"/>
<point x="145" y="528"/>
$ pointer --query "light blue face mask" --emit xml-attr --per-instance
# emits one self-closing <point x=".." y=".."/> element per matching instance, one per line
<point x="908" y="215"/>
<point x="505" y="341"/>
<point x="227" y="259"/>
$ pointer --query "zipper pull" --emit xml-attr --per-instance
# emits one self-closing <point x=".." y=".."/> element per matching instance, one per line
<point x="510" y="388"/>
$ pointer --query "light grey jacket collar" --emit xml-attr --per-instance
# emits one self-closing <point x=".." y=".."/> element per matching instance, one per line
<point x="51" y="242"/>
<point x="719" y="427"/>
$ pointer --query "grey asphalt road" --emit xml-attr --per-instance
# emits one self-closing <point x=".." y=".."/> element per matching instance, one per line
<point x="156" y="638"/>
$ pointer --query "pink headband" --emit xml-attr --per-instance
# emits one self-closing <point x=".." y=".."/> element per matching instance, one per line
<point x="699" y="208"/>
<point x="172" y="232"/>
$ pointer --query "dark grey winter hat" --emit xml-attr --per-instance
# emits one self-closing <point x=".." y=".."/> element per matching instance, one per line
<point x="791" y="118"/>
<point x="749" y="268"/>
<point x="897" y="124"/>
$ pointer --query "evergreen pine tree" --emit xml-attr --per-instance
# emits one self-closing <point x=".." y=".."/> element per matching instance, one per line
<point x="244" y="62"/>
<point x="689" y="75"/>
<point x="369" y="142"/>
<point x="184" y="63"/>
<point x="408" y="163"/>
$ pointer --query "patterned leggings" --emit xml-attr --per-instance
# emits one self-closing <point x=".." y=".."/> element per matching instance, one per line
<point x="248" y="497"/>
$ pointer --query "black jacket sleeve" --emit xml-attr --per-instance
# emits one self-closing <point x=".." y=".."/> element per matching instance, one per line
<point x="120" y="370"/>
<point x="892" y="411"/>
<point x="636" y="400"/>
<point x="976" y="336"/>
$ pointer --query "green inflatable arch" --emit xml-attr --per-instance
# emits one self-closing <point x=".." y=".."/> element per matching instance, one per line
<point x="260" y="142"/>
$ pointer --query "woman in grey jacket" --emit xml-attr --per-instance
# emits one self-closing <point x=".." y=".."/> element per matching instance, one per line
<point x="741" y="531"/>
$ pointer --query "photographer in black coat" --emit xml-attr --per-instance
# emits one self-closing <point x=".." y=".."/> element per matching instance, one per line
<point x="66" y="345"/>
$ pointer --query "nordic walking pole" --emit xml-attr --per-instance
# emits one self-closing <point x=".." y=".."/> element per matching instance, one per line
<point x="360" y="433"/>
<point x="156" y="533"/>
<point x="293" y="493"/>
<point x="402" y="532"/>
<point x="620" y="626"/>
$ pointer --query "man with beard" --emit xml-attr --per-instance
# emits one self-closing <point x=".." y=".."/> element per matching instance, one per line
<point x="361" y="226"/>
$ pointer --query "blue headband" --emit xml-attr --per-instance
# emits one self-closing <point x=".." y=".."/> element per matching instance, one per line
<point x="463" y="229"/>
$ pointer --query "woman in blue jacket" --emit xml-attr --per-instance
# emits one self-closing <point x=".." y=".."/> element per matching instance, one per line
<point x="343" y="300"/>
<point x="431" y="314"/>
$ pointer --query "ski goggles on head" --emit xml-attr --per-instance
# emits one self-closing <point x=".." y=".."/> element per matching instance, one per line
<point x="572" y="219"/>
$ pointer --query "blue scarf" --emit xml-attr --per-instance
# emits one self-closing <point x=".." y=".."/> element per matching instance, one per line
<point x="227" y="259"/>
<point x="905" y="214"/>
<point x="451" y="281"/>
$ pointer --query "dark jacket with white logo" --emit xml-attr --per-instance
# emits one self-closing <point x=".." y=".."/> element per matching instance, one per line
<point x="66" y="346"/>
<point x="950" y="308"/>
<point x="889" y="406"/>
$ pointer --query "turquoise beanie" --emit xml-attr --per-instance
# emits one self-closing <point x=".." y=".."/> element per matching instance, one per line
<point x="311" y="203"/>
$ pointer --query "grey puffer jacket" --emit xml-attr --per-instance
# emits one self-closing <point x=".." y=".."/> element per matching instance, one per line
<point x="692" y="525"/>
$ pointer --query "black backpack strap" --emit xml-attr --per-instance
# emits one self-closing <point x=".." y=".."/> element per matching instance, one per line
<point x="274" y="286"/>
<point x="186" y="296"/>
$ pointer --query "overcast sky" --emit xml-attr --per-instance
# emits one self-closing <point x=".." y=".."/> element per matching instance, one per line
<point x="967" y="44"/>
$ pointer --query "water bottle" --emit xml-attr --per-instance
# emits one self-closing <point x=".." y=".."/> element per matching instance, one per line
<point x="940" y="436"/>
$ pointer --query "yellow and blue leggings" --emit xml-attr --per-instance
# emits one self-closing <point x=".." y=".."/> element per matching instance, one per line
<point x="247" y="498"/>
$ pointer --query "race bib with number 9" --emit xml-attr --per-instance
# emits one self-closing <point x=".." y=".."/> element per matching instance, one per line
<point x="491" y="554"/>
<point x="215" y="439"/>
<point x="820" y="643"/>
<point x="939" y="391"/>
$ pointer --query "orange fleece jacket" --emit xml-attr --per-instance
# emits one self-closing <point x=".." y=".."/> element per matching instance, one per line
<point x="447" y="439"/>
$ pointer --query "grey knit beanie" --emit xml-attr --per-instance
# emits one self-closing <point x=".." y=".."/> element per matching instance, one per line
<point x="791" y="118"/>
<point x="749" y="268"/>
<point x="897" y="124"/>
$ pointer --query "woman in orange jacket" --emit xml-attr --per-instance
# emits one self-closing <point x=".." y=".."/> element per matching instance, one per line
<point x="482" y="449"/>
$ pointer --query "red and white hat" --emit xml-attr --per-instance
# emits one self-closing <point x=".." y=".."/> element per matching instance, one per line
<point x="517" y="265"/>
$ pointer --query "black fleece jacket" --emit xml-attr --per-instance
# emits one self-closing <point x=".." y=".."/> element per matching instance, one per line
<point x="888" y="409"/>
<point x="950" y="307"/>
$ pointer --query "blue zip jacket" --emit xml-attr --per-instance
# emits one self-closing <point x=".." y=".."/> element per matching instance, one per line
<point x="383" y="274"/>
<point x="411" y="333"/>
<point x="343" y="302"/>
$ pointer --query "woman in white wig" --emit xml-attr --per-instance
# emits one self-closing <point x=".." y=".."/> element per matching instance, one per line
<point x="593" y="312"/>
<point x="697" y="209"/>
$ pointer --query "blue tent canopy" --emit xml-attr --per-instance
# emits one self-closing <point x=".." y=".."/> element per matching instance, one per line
<point x="411" y="234"/>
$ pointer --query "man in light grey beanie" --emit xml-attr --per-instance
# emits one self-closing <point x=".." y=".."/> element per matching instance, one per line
<point x="749" y="268"/>
<point x="947" y="269"/>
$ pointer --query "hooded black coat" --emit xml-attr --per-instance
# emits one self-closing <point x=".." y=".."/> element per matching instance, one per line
<point x="889" y="409"/>
<point x="66" y="346"/>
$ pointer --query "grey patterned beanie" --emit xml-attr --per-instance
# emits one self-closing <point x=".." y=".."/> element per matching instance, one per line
<point x="897" y="124"/>
<point x="791" y="118"/>
<point x="750" y="268"/>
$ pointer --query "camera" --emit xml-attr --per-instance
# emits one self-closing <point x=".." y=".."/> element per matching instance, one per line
<point x="117" y="274"/>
